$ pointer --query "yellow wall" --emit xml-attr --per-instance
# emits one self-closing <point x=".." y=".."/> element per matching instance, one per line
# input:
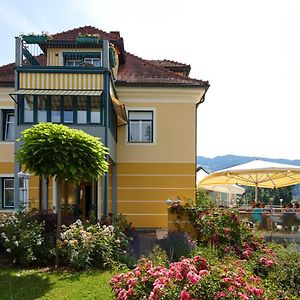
<point x="149" y="174"/>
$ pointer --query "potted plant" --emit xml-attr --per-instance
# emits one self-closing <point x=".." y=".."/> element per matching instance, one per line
<point x="33" y="38"/>
<point x="87" y="38"/>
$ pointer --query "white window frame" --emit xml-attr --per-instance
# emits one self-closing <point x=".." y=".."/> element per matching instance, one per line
<point x="90" y="60"/>
<point x="73" y="62"/>
<point x="6" y="124"/>
<point x="154" y="126"/>
<point x="3" y="193"/>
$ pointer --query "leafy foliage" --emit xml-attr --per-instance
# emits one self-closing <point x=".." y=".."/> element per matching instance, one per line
<point x="49" y="149"/>
<point x="21" y="239"/>
<point x="83" y="246"/>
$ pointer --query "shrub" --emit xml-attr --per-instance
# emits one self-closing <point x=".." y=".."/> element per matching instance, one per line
<point x="176" y="245"/>
<point x="285" y="274"/>
<point x="91" y="244"/>
<point x="190" y="278"/>
<point x="21" y="238"/>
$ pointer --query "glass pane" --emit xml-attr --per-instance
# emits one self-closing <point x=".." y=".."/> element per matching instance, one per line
<point x="81" y="110"/>
<point x="95" y="109"/>
<point x="96" y="62"/>
<point x="9" y="198"/>
<point x="8" y="192"/>
<point x="55" y="109"/>
<point x="140" y="115"/>
<point x="134" y="131"/>
<point x="42" y="109"/>
<point x="68" y="109"/>
<point x="10" y="126"/>
<point x="28" y="108"/>
<point x="9" y="183"/>
<point x="146" y="131"/>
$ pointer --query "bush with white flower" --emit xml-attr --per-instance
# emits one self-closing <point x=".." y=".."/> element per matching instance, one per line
<point x="20" y="238"/>
<point x="96" y="245"/>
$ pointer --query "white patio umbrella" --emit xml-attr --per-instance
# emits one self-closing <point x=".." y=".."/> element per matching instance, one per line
<point x="257" y="173"/>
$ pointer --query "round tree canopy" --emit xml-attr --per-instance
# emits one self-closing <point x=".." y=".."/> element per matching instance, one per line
<point x="49" y="149"/>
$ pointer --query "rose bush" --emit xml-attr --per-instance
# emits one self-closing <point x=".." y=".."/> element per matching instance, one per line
<point x="191" y="278"/>
<point x="94" y="245"/>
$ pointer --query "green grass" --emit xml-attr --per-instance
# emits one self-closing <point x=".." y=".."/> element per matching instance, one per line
<point x="34" y="284"/>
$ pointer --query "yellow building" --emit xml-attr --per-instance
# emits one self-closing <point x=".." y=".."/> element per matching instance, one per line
<point x="144" y="111"/>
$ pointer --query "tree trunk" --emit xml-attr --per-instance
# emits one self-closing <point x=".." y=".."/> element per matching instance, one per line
<point x="58" y="220"/>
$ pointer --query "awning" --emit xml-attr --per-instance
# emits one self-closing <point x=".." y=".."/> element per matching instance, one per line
<point x="59" y="92"/>
<point x="120" y="110"/>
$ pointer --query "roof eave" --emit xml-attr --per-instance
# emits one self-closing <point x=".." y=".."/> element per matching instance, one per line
<point x="162" y="84"/>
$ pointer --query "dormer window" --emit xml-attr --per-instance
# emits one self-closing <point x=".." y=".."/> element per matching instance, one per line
<point x="84" y="59"/>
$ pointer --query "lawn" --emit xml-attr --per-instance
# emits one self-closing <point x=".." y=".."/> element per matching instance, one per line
<point x="47" y="284"/>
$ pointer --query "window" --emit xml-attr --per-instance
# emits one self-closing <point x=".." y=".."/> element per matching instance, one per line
<point x="59" y="109"/>
<point x="75" y="59"/>
<point x="8" y="125"/>
<point x="28" y="108"/>
<point x="93" y="61"/>
<point x="81" y="110"/>
<point x="8" y="193"/>
<point x="68" y="109"/>
<point x="42" y="109"/>
<point x="140" y="126"/>
<point x="95" y="109"/>
<point x="55" y="109"/>
<point x="73" y="62"/>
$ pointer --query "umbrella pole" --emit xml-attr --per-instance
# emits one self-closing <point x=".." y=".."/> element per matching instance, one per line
<point x="256" y="193"/>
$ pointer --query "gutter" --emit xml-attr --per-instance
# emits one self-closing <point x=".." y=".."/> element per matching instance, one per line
<point x="203" y="97"/>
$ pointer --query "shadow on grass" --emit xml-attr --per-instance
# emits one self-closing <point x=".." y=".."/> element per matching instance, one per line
<point x="22" y="287"/>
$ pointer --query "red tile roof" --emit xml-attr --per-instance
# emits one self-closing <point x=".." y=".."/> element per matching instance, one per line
<point x="174" y="66"/>
<point x="139" y="71"/>
<point x="134" y="70"/>
<point x="167" y="63"/>
<point x="71" y="35"/>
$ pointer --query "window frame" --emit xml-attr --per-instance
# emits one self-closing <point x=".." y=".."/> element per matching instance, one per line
<point x="152" y="121"/>
<point x="5" y="127"/>
<point x="3" y="192"/>
<point x="74" y="104"/>
<point x="81" y="56"/>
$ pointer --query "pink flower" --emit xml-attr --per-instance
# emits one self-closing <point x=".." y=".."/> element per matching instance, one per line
<point x="222" y="294"/>
<point x="231" y="288"/>
<point x="193" y="277"/>
<point x="185" y="295"/>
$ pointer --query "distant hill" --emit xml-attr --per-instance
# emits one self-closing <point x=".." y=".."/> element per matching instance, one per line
<point x="227" y="161"/>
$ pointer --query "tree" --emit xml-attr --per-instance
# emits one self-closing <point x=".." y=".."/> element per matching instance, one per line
<point x="55" y="150"/>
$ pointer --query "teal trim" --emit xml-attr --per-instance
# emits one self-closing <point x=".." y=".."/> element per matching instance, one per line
<point x="48" y="108"/>
<point x="88" y="116"/>
<point x="62" y="69"/>
<point x="35" y="109"/>
<point x="62" y="117"/>
<point x="75" y="108"/>
<point x="29" y="57"/>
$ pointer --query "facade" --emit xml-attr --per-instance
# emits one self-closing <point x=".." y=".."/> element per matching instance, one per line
<point x="144" y="111"/>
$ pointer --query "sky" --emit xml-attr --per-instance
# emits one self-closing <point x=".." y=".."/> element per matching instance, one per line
<point x="249" y="51"/>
